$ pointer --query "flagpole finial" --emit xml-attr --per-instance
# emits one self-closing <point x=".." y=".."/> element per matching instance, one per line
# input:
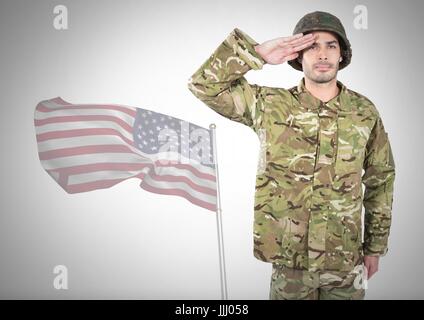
<point x="212" y="126"/>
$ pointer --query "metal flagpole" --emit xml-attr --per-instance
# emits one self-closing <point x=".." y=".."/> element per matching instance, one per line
<point x="224" y="294"/>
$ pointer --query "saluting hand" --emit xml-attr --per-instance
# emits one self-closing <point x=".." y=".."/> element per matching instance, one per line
<point x="282" y="49"/>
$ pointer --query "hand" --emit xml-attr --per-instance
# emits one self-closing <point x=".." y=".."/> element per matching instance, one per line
<point x="371" y="263"/>
<point x="282" y="49"/>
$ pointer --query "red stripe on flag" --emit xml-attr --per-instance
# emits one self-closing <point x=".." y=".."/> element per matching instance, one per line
<point x="81" y="132"/>
<point x="181" y="193"/>
<point x="93" y="185"/>
<point x="172" y="178"/>
<point x="65" y="119"/>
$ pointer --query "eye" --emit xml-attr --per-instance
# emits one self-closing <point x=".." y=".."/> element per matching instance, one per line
<point x="332" y="46"/>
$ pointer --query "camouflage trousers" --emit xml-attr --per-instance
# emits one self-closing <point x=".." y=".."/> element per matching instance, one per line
<point x="293" y="284"/>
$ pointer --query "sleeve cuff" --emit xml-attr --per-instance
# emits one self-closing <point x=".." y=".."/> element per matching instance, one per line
<point x="377" y="252"/>
<point x="243" y="45"/>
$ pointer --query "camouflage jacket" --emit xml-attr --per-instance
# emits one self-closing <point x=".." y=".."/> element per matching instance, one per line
<point x="308" y="195"/>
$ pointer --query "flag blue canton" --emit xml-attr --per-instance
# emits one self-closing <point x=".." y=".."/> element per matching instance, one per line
<point x="155" y="132"/>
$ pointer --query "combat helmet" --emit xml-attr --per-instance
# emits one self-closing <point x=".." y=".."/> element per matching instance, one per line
<point x="323" y="21"/>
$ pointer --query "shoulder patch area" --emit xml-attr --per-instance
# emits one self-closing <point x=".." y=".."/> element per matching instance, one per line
<point x="293" y="89"/>
<point x="363" y="103"/>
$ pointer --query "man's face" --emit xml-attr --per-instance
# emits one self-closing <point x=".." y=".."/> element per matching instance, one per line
<point x="320" y="61"/>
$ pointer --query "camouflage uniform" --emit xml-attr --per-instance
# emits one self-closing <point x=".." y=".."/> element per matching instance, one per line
<point x="289" y="284"/>
<point x="308" y="198"/>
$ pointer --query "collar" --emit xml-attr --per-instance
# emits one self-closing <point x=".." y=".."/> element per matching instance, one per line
<point x="339" y="102"/>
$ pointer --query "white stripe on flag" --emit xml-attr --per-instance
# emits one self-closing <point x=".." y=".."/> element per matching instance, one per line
<point x="72" y="142"/>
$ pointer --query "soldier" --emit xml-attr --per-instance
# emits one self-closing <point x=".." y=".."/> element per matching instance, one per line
<point x="322" y="141"/>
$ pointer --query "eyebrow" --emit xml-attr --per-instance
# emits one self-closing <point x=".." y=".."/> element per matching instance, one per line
<point x="328" y="42"/>
<point x="331" y="42"/>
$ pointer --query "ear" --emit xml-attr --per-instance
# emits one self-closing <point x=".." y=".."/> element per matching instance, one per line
<point x="299" y="58"/>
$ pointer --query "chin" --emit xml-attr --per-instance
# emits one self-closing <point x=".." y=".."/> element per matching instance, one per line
<point x="323" y="78"/>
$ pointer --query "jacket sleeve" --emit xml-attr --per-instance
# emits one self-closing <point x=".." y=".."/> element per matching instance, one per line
<point x="378" y="179"/>
<point x="220" y="84"/>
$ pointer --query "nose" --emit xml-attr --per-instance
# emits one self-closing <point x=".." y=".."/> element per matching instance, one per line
<point x="322" y="54"/>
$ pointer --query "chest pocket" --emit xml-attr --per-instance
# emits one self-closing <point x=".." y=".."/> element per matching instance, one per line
<point x="291" y="137"/>
<point x="352" y="135"/>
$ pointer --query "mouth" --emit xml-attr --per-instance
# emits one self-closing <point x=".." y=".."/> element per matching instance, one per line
<point x="322" y="67"/>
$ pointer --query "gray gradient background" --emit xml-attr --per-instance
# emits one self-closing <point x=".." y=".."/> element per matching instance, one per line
<point x="124" y="242"/>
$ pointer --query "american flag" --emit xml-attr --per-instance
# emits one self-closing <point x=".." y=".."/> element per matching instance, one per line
<point x="86" y="147"/>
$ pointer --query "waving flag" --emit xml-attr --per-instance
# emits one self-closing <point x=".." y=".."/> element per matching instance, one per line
<point x="86" y="147"/>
